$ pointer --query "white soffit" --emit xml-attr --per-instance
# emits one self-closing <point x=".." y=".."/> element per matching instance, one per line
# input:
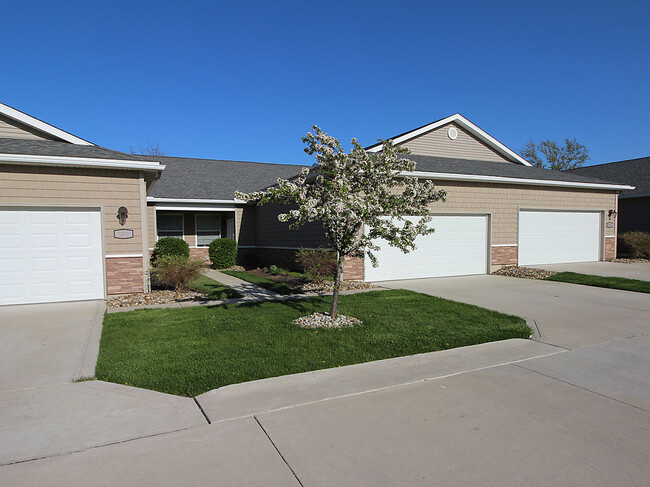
<point x="37" y="124"/>
<point x="467" y="125"/>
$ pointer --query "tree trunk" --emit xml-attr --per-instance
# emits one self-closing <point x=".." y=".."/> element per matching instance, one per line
<point x="337" y="284"/>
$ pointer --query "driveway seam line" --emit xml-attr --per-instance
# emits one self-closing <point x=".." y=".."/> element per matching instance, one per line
<point x="93" y="447"/>
<point x="385" y="388"/>
<point x="580" y="387"/>
<point x="202" y="411"/>
<point x="278" y="450"/>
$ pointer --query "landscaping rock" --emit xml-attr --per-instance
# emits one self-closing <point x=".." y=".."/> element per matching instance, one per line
<point x="629" y="261"/>
<point x="523" y="272"/>
<point x="324" y="320"/>
<point x="154" y="297"/>
<point x="328" y="286"/>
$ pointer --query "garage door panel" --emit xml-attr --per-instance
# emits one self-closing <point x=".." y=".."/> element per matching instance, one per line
<point x="457" y="247"/>
<point x="555" y="237"/>
<point x="50" y="255"/>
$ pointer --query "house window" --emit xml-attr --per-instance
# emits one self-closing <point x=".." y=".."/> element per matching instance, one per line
<point x="208" y="228"/>
<point x="169" y="225"/>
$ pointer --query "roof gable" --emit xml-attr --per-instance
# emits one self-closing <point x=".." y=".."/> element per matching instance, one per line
<point x="34" y="125"/>
<point x="468" y="127"/>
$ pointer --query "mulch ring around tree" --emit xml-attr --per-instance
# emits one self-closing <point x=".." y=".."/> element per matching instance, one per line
<point x="324" y="320"/>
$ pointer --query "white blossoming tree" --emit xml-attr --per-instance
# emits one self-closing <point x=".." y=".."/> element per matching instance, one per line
<point x="357" y="198"/>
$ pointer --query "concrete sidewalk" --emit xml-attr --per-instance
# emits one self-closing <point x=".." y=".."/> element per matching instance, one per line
<point x="488" y="423"/>
<point x="247" y="290"/>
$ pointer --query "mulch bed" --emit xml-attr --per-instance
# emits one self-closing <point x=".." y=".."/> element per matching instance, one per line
<point x="302" y="284"/>
<point x="154" y="297"/>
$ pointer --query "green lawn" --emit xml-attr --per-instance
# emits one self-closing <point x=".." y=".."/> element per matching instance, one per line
<point x="265" y="282"/>
<point x="600" y="281"/>
<point x="190" y="351"/>
<point x="214" y="290"/>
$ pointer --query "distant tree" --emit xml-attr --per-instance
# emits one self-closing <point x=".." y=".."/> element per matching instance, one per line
<point x="149" y="150"/>
<point x="571" y="155"/>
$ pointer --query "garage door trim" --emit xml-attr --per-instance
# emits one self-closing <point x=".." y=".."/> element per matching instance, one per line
<point x="71" y="207"/>
<point x="601" y="226"/>
<point x="488" y="241"/>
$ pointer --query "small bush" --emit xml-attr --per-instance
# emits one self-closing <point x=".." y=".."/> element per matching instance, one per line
<point x="223" y="253"/>
<point x="277" y="271"/>
<point x="170" y="246"/>
<point x="634" y="244"/>
<point x="175" y="271"/>
<point x="317" y="263"/>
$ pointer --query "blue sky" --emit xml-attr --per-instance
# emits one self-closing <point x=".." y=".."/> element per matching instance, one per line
<point x="246" y="80"/>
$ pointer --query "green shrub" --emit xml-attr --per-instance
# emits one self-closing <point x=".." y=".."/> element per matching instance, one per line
<point x="634" y="244"/>
<point x="277" y="271"/>
<point x="223" y="253"/>
<point x="175" y="271"/>
<point x="317" y="263"/>
<point x="170" y="246"/>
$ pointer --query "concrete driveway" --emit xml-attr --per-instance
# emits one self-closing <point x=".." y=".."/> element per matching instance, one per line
<point x="566" y="315"/>
<point x="48" y="344"/>
<point x="640" y="271"/>
<point x="572" y="411"/>
<point x="43" y="349"/>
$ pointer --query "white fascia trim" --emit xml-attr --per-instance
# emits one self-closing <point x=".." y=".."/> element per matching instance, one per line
<point x="213" y="208"/>
<point x="40" y="125"/>
<point x="151" y="199"/>
<point x="507" y="180"/>
<point x="81" y="162"/>
<point x="475" y="130"/>
<point x="628" y="196"/>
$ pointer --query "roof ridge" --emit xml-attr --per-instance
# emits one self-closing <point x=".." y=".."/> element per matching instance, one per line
<point x="608" y="163"/>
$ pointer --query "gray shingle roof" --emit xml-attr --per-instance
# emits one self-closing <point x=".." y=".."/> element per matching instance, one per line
<point x="186" y="178"/>
<point x="635" y="172"/>
<point x="500" y="169"/>
<point x="63" y="149"/>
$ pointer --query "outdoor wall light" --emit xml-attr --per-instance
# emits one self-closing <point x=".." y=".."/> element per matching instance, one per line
<point x="612" y="214"/>
<point x="123" y="214"/>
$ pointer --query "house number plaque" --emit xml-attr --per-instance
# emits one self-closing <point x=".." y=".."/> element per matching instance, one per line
<point x="610" y="225"/>
<point x="123" y="233"/>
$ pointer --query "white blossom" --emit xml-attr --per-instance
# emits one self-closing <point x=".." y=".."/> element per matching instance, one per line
<point x="350" y="192"/>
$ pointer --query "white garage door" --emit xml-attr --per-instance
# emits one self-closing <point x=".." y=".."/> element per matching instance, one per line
<point x="50" y="255"/>
<point x="555" y="237"/>
<point x="457" y="247"/>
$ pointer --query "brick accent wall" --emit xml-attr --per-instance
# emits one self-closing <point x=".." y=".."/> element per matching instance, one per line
<point x="353" y="269"/>
<point x="504" y="255"/>
<point x="124" y="275"/>
<point x="200" y="253"/>
<point x="610" y="248"/>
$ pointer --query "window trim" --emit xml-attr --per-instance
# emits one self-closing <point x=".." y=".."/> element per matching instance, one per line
<point x="196" y="228"/>
<point x="166" y="213"/>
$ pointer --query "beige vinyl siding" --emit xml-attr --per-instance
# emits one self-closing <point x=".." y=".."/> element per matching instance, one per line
<point x="151" y="222"/>
<point x="503" y="202"/>
<point x="270" y="232"/>
<point x="108" y="189"/>
<point x="15" y="130"/>
<point x="245" y="226"/>
<point x="465" y="146"/>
